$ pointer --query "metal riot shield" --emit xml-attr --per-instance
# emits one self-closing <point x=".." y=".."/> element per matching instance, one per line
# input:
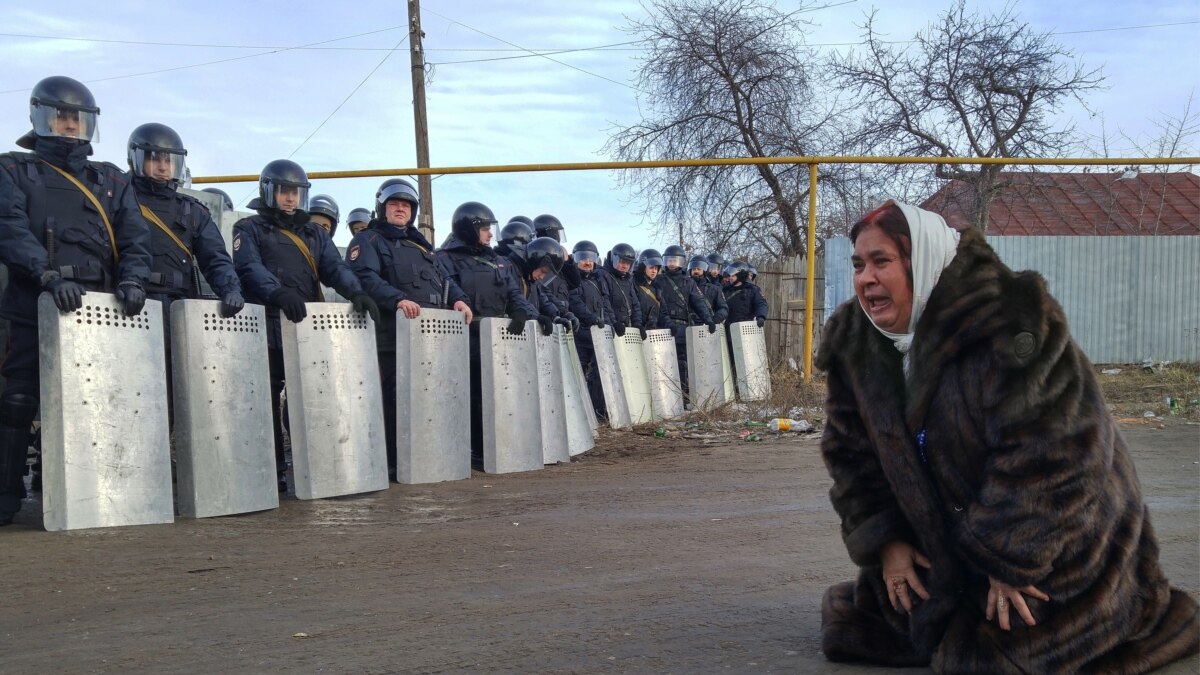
<point x="433" y="397"/>
<point x="224" y="449"/>
<point x="576" y="404"/>
<point x="662" y="370"/>
<point x="512" y="433"/>
<point x="335" y="402"/>
<point x="726" y="363"/>
<point x="610" y="378"/>
<point x="581" y="383"/>
<point x="552" y="397"/>
<point x="750" y="358"/>
<point x="706" y="376"/>
<point x="631" y="360"/>
<point x="106" y="457"/>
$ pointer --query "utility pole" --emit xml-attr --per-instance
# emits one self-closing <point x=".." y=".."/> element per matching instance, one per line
<point x="420" y="120"/>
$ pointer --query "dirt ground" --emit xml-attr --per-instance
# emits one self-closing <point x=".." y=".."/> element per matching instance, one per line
<point x="648" y="555"/>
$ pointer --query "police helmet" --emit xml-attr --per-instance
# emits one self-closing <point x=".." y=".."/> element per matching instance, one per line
<point x="674" y="256"/>
<point x="753" y="273"/>
<point x="698" y="262"/>
<point x="63" y="108"/>
<point x="516" y="232"/>
<point x="541" y="252"/>
<point x="280" y="175"/>
<point x="157" y="142"/>
<point x="469" y="218"/>
<point x="622" y="252"/>
<point x="396" y="188"/>
<point x="359" y="215"/>
<point x="225" y="199"/>
<point x="324" y="205"/>
<point x="523" y="219"/>
<point x="716" y="262"/>
<point x="649" y="258"/>
<point x="584" y="251"/>
<point x="739" y="269"/>
<point x="547" y="225"/>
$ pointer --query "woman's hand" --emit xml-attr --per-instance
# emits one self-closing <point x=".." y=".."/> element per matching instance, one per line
<point x="899" y="574"/>
<point x="1001" y="596"/>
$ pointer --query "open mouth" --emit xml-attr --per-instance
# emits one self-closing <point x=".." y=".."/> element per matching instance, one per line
<point x="877" y="304"/>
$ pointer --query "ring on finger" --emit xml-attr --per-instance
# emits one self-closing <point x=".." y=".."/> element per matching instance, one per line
<point x="1002" y="604"/>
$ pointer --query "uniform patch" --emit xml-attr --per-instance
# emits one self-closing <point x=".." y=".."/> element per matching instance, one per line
<point x="237" y="242"/>
<point x="1024" y="344"/>
<point x="354" y="251"/>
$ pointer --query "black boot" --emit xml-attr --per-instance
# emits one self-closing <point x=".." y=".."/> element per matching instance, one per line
<point x="14" y="451"/>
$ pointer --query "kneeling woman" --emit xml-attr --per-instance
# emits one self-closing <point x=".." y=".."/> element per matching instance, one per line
<point x="982" y="485"/>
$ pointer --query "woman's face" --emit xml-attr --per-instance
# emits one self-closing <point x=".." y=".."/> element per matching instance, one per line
<point x="881" y="280"/>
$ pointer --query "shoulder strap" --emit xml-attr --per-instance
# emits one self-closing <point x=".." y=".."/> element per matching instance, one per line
<point x="649" y="294"/>
<point x="308" y="257"/>
<point x="486" y="262"/>
<point x="153" y="218"/>
<point x="112" y="238"/>
<point x="412" y="244"/>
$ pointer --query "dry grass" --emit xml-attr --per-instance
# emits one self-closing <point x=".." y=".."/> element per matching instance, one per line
<point x="1133" y="391"/>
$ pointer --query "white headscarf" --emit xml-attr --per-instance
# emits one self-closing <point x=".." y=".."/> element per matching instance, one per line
<point x="934" y="244"/>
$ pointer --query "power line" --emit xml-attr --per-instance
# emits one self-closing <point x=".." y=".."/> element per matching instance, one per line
<point x="235" y="58"/>
<point x="1067" y="32"/>
<point x="205" y="45"/>
<point x="348" y="96"/>
<point x="548" y="58"/>
<point x="532" y="53"/>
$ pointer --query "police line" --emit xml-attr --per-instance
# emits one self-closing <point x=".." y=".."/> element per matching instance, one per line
<point x="106" y="427"/>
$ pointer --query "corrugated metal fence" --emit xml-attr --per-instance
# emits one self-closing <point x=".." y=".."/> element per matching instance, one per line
<point x="1126" y="298"/>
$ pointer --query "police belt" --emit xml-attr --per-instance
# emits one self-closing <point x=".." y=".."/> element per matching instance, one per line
<point x="76" y="273"/>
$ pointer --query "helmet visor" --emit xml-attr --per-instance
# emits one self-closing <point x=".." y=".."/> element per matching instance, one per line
<point x="399" y="191"/>
<point x="714" y="268"/>
<point x="673" y="261"/>
<point x="584" y="256"/>
<point x="160" y="165"/>
<point x="285" y="196"/>
<point x="654" y="261"/>
<point x="64" y="122"/>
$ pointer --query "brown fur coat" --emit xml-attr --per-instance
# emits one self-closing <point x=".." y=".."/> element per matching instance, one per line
<point x="1027" y="480"/>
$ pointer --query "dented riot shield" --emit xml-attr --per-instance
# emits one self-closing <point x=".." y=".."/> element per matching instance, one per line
<point x="750" y="359"/>
<point x="662" y="371"/>
<point x="433" y="397"/>
<point x="610" y="378"/>
<point x="512" y="433"/>
<point x="581" y="430"/>
<point x="106" y="456"/>
<point x="224" y="444"/>
<point x="631" y="360"/>
<point x="552" y="397"/>
<point x="335" y="402"/>
<point x="706" y="375"/>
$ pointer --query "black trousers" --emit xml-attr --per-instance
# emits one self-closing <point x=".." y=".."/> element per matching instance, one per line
<point x="387" y="378"/>
<point x="591" y="374"/>
<point x="18" y="406"/>
<point x="278" y="411"/>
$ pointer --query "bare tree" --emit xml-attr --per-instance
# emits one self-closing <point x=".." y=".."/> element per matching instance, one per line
<point x="970" y="85"/>
<point x="725" y="78"/>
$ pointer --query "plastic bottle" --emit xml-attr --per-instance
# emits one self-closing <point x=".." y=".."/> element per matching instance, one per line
<point x="785" y="424"/>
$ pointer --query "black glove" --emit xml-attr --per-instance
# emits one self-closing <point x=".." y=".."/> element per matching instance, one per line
<point x="600" y="324"/>
<point x="547" y="323"/>
<point x="563" y="321"/>
<point x="642" y="331"/>
<point x="574" y="322"/>
<point x="132" y="297"/>
<point x="712" y="328"/>
<point x="619" y="329"/>
<point x="517" y="325"/>
<point x="290" y="303"/>
<point x="363" y="303"/>
<point x="232" y="303"/>
<point x="760" y="320"/>
<point x="68" y="295"/>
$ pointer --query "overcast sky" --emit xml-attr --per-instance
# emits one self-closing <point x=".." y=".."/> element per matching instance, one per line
<point x="237" y="115"/>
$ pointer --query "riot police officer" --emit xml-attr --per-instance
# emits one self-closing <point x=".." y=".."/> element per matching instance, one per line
<point x="492" y="291"/>
<point x="537" y="263"/>
<point x="282" y="258"/>
<point x="681" y="301"/>
<point x="617" y="273"/>
<point x="648" y="266"/>
<point x="323" y="211"/>
<point x="710" y="288"/>
<point x="550" y="226"/>
<point x="746" y="301"/>
<point x="514" y="238"/>
<point x="184" y="240"/>
<point x="590" y="302"/>
<point x="396" y="267"/>
<point x="358" y="220"/>
<point x="516" y="234"/>
<point x="716" y="263"/>
<point x="67" y="226"/>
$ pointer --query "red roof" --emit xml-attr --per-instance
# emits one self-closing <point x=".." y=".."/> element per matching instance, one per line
<point x="1037" y="203"/>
